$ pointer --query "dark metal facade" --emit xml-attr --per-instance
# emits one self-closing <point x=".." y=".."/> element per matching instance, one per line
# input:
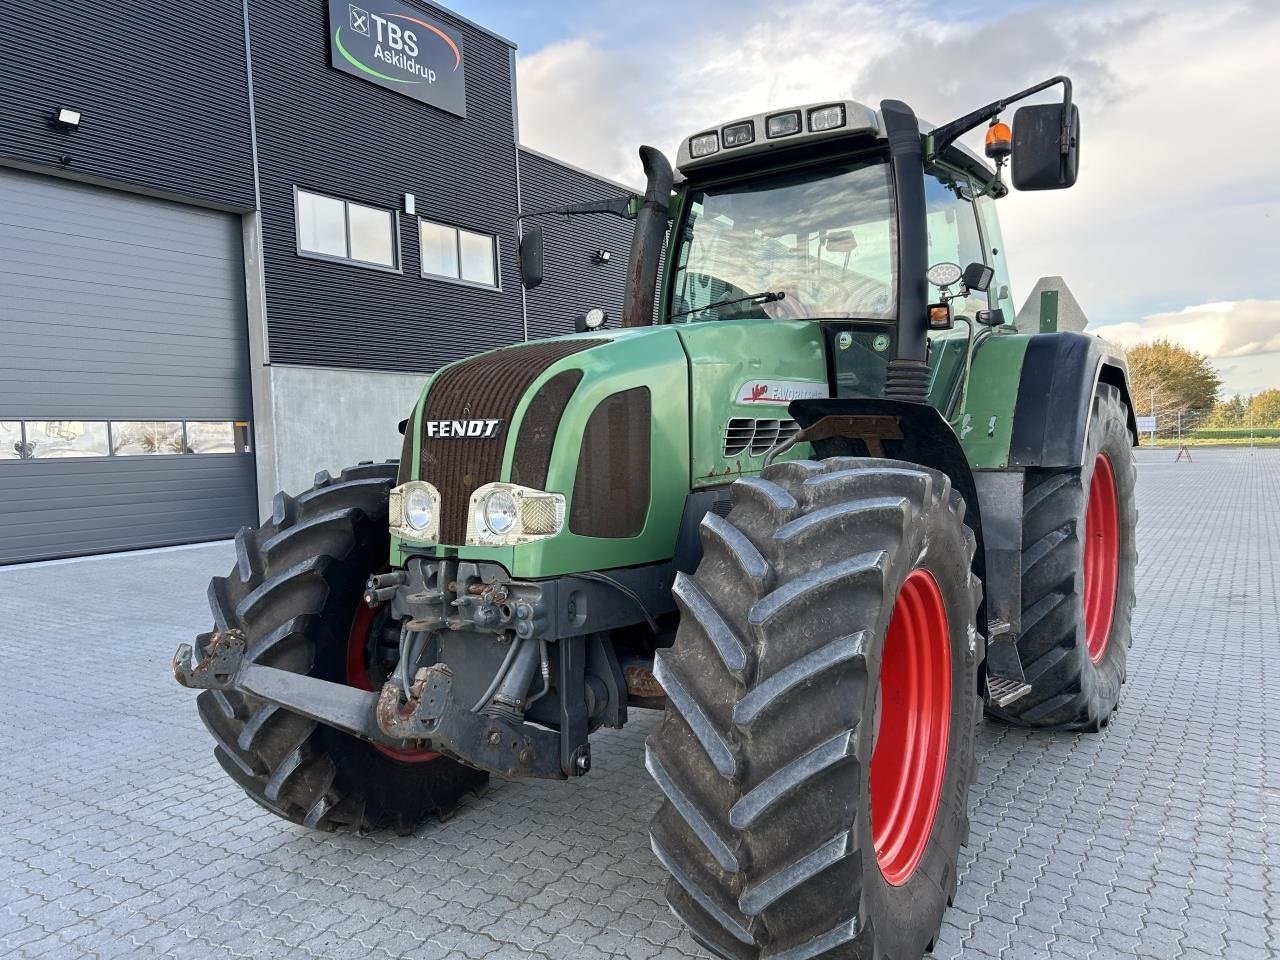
<point x="162" y="90"/>
<point x="323" y="130"/>
<point x="575" y="280"/>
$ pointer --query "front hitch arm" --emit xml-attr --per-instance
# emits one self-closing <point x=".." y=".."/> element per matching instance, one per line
<point x="430" y="718"/>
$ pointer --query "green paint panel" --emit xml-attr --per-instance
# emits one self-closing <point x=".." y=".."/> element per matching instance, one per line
<point x="984" y="422"/>
<point x="1048" y="311"/>
<point x="732" y="359"/>
<point x="650" y="357"/>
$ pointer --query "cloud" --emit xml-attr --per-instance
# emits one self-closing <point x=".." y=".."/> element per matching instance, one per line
<point x="1176" y="204"/>
<point x="1242" y="338"/>
<point x="1219" y="330"/>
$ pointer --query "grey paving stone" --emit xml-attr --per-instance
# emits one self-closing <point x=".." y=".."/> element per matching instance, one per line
<point x="1155" y="838"/>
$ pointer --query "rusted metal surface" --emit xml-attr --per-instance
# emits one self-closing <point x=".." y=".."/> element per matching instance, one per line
<point x="211" y="661"/>
<point x="872" y="430"/>
<point x="641" y="682"/>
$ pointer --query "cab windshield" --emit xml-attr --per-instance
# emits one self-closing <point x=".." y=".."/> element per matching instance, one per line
<point x="825" y="239"/>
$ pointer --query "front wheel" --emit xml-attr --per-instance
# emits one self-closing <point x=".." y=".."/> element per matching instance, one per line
<point x="818" y="745"/>
<point x="296" y="594"/>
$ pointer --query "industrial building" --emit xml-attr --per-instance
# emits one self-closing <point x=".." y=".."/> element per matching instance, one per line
<point x="233" y="245"/>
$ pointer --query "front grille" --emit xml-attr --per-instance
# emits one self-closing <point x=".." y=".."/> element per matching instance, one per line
<point x="487" y="387"/>
<point x="756" y="436"/>
<point x="611" y="488"/>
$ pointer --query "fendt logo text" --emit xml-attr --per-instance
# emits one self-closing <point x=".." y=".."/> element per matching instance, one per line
<point x="463" y="428"/>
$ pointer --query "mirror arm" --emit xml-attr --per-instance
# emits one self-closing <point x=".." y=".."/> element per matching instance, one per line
<point x="624" y="207"/>
<point x="942" y="137"/>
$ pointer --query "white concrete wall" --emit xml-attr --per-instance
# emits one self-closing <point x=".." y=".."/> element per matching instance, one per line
<point x="327" y="419"/>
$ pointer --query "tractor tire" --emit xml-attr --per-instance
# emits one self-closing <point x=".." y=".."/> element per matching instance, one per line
<point x="296" y="592"/>
<point x="1078" y="559"/>
<point x="822" y="705"/>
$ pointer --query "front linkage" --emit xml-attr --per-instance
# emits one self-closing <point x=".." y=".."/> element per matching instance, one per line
<point x="421" y="707"/>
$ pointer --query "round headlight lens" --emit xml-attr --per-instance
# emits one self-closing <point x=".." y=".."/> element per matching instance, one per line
<point x="417" y="509"/>
<point x="499" y="512"/>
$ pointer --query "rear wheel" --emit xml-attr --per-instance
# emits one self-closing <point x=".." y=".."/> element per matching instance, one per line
<point x="296" y="593"/>
<point x="818" y="744"/>
<point x="1078" y="559"/>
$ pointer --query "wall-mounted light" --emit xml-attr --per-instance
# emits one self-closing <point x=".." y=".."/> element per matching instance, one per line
<point x="66" y="119"/>
<point x="600" y="256"/>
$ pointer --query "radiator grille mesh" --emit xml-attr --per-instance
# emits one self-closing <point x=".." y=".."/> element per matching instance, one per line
<point x="485" y="387"/>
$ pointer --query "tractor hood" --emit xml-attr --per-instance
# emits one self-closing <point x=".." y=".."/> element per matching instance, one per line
<point x="586" y="417"/>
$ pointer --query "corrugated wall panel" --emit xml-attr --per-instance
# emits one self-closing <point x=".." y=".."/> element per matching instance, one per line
<point x="117" y="306"/>
<point x="573" y="282"/>
<point x="334" y="133"/>
<point x="59" y="508"/>
<point x="161" y="87"/>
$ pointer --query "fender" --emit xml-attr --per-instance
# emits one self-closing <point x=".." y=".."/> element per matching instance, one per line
<point x="1060" y="372"/>
<point x="921" y="436"/>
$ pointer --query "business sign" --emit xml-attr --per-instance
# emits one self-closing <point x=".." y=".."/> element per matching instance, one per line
<point x="399" y="47"/>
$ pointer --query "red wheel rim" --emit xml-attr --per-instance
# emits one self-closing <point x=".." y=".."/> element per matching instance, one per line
<point x="910" y="757"/>
<point x="1101" y="557"/>
<point x="358" y="676"/>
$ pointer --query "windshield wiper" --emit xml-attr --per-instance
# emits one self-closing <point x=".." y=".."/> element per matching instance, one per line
<point x="768" y="297"/>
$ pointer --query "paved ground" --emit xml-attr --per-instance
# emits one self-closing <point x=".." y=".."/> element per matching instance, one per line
<point x="119" y="836"/>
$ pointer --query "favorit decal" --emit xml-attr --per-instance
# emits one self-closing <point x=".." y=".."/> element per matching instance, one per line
<point x="462" y="428"/>
<point x="780" y="391"/>
<point x="400" y="48"/>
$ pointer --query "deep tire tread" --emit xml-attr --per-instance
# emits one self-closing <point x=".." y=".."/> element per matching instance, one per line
<point x="746" y="756"/>
<point x="290" y="577"/>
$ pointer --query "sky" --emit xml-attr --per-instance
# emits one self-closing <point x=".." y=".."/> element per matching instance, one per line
<point x="1173" y="228"/>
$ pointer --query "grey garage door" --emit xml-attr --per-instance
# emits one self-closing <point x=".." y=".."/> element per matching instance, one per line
<point x="124" y="386"/>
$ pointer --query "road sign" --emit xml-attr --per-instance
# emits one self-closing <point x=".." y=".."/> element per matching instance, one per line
<point x="1146" y="424"/>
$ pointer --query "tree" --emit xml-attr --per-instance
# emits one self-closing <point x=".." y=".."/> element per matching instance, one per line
<point x="1265" y="407"/>
<point x="1181" y="380"/>
<point x="1229" y="413"/>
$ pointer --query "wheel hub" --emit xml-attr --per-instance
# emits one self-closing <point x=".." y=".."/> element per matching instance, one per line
<point x="1101" y="557"/>
<point x="367" y="655"/>
<point x="910" y="757"/>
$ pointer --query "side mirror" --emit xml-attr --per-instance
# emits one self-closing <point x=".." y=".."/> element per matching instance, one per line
<point x="1038" y="160"/>
<point x="991" y="318"/>
<point x="531" y="257"/>
<point x="977" y="276"/>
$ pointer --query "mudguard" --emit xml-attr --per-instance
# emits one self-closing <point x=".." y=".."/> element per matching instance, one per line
<point x="1060" y="372"/>
<point x="920" y="435"/>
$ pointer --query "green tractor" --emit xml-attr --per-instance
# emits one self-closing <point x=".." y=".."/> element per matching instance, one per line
<point x="814" y="497"/>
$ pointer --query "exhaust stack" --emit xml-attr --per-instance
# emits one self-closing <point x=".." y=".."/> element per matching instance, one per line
<point x="646" y="243"/>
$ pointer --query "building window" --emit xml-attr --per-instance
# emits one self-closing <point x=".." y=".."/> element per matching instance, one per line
<point x="342" y="230"/>
<point x="11" y="444"/>
<point x="220" y="437"/>
<point x="47" y="439"/>
<point x="136" y="438"/>
<point x="452" y="253"/>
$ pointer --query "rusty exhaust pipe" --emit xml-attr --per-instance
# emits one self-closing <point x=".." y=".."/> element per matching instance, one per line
<point x="646" y="242"/>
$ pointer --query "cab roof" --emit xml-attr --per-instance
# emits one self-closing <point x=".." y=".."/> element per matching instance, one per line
<point x="859" y="121"/>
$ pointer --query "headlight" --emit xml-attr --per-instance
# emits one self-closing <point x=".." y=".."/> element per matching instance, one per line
<point x="504" y="514"/>
<point x="739" y="134"/>
<point x="704" y="145"/>
<point x="414" y="512"/>
<point x="783" y="124"/>
<point x="498" y="513"/>
<point x="826" y="118"/>
<point x="419" y="511"/>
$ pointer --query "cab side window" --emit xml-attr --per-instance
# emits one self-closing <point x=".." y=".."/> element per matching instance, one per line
<point x="953" y="230"/>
